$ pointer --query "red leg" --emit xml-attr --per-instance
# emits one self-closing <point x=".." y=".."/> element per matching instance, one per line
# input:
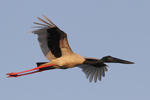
<point x="22" y="74"/>
<point x="16" y="74"/>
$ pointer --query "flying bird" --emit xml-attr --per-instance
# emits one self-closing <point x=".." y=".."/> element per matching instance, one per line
<point x="56" y="49"/>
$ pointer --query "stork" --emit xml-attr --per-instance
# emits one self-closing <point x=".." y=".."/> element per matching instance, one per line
<point x="55" y="47"/>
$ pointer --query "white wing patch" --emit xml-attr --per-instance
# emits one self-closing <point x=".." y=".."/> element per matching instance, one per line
<point x="93" y="72"/>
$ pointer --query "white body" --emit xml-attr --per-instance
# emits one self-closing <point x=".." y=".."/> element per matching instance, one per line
<point x="67" y="61"/>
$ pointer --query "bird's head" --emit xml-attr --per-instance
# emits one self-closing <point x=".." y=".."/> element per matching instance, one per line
<point x="110" y="59"/>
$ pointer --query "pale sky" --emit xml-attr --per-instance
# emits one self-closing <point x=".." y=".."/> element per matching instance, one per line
<point x="95" y="28"/>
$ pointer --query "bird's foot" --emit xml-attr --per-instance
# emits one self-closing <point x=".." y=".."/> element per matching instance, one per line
<point x="12" y="75"/>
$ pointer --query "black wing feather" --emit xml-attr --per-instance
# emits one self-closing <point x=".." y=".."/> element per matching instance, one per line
<point x="53" y="38"/>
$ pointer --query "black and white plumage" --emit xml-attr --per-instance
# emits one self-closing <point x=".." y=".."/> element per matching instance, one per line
<point x="55" y="47"/>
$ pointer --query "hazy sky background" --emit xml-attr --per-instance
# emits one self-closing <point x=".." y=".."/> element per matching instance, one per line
<point x="95" y="28"/>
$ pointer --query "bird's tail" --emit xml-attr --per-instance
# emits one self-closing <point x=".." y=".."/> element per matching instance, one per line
<point x="45" y="68"/>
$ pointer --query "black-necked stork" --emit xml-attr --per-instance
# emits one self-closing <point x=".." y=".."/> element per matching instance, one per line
<point x="56" y="49"/>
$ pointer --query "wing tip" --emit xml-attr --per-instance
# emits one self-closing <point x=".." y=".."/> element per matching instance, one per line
<point x="29" y="32"/>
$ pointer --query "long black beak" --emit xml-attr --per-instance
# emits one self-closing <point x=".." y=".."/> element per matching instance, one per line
<point x="109" y="59"/>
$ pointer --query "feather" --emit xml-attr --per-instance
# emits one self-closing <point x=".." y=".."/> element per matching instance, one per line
<point x="84" y="67"/>
<point x="99" y="74"/>
<point x="103" y="72"/>
<point x="43" y="21"/>
<point x="49" y="20"/>
<point x="87" y="69"/>
<point x="96" y="75"/>
<point x="40" y="24"/>
<point x="92" y="74"/>
<point x="29" y="32"/>
<point x="105" y="69"/>
<point x="89" y="72"/>
<point x="39" y="27"/>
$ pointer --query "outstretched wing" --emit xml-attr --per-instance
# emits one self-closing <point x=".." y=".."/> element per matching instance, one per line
<point x="93" y="72"/>
<point x="52" y="40"/>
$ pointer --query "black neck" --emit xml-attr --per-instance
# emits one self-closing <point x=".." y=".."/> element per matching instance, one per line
<point x="93" y="62"/>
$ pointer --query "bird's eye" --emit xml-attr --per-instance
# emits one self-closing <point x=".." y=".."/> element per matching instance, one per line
<point x="109" y="58"/>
